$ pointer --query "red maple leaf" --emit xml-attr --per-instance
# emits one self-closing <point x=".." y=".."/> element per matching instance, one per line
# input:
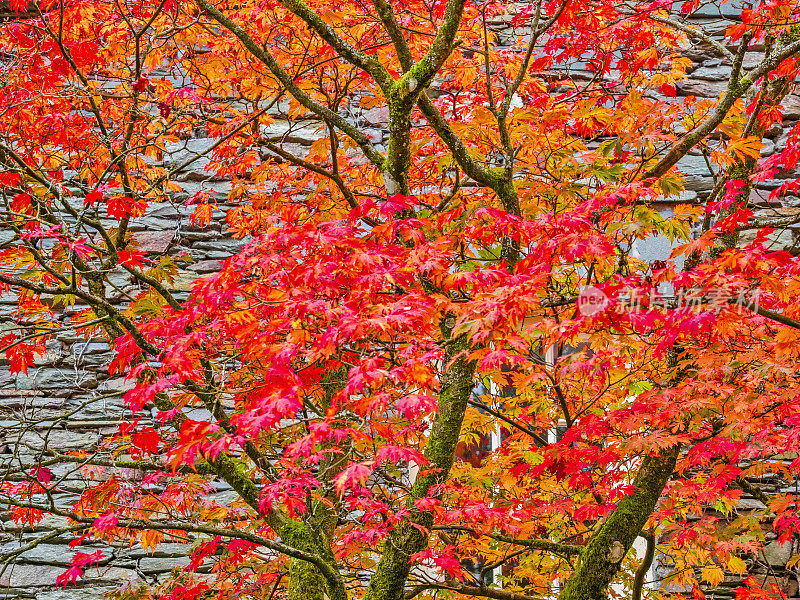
<point x="147" y="439"/>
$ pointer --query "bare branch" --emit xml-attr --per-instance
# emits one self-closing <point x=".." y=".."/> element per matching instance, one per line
<point x="302" y="97"/>
<point x="696" y="33"/>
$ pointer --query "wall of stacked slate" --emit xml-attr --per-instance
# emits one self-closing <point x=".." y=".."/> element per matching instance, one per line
<point x="74" y="401"/>
<point x="70" y="401"/>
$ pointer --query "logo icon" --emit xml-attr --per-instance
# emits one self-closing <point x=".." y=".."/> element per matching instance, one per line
<point x="591" y="301"/>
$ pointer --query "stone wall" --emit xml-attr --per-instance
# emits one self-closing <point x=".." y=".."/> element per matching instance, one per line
<point x="75" y="402"/>
<point x="70" y="400"/>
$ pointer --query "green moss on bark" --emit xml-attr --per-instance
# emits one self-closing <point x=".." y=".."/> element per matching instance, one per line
<point x="390" y="577"/>
<point x="305" y="580"/>
<point x="601" y="560"/>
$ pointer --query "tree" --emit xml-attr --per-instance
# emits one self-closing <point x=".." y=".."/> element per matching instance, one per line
<point x="328" y="373"/>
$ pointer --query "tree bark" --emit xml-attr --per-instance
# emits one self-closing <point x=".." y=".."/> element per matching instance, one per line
<point x="412" y="536"/>
<point x="602" y="558"/>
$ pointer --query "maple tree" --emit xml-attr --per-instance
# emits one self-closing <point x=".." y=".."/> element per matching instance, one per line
<point x="398" y="302"/>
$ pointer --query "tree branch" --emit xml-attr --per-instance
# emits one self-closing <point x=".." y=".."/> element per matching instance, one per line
<point x="754" y="491"/>
<point x="475" y="591"/>
<point x="352" y="55"/>
<point x="421" y="74"/>
<point x="647" y="561"/>
<point x="498" y="415"/>
<point x="694" y="32"/>
<point x="359" y="137"/>
<point x="542" y="545"/>
<point x="737" y="86"/>
<point x="538" y="30"/>
<point x="412" y="535"/>
<point x="387" y="16"/>
<point x="147" y="525"/>
<point x="608" y="545"/>
<point x="469" y="165"/>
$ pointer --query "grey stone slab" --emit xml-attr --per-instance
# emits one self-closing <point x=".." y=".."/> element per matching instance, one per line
<point x="793" y="201"/>
<point x="656" y="248"/>
<point x="55" y="379"/>
<point x="706" y="89"/>
<point x="21" y="576"/>
<point x="791" y="107"/>
<point x="119" y="278"/>
<point x="19" y="594"/>
<point x="216" y="254"/>
<point x="48" y="359"/>
<point x="375" y="135"/>
<point x="85" y="348"/>
<point x="783" y="240"/>
<point x="29" y="399"/>
<point x="53" y="554"/>
<point x="162" y="565"/>
<point x="6" y="379"/>
<point x="218" y="189"/>
<point x="155" y="241"/>
<point x="376" y="116"/>
<point x="148" y="223"/>
<point x="279" y="109"/>
<point x="752" y="60"/>
<point x="203" y="175"/>
<point x="226" y="495"/>
<point x="700" y="55"/>
<point x="184" y="280"/>
<point x="685" y="197"/>
<point x="303" y="132"/>
<point x="715" y="73"/>
<point x="698" y="184"/>
<point x="227" y="244"/>
<point x="163" y="210"/>
<point x="715" y="9"/>
<point x="63" y="439"/>
<point x="187" y="227"/>
<point x="95" y="592"/>
<point x="694" y="165"/>
<point x="116" y="384"/>
<point x="776" y="554"/>
<point x="760" y="197"/>
<point x="191" y="236"/>
<point x="165" y="550"/>
<point x="206" y="266"/>
<point x="31" y="576"/>
<point x="198" y="414"/>
<point x="198" y="149"/>
<point x="89" y="362"/>
<point x="300" y="150"/>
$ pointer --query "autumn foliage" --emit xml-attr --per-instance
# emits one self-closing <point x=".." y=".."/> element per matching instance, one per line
<point x="473" y="275"/>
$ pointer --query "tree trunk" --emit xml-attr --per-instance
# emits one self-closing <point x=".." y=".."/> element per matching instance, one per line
<point x="412" y="536"/>
<point x="602" y="558"/>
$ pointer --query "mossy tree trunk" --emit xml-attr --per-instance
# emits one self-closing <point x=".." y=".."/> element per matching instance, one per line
<point x="305" y="580"/>
<point x="601" y="560"/>
<point x="411" y="537"/>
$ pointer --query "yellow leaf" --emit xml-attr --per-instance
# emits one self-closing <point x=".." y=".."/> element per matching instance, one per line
<point x="712" y="574"/>
<point x="736" y="564"/>
<point x="151" y="539"/>
<point x="749" y="147"/>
